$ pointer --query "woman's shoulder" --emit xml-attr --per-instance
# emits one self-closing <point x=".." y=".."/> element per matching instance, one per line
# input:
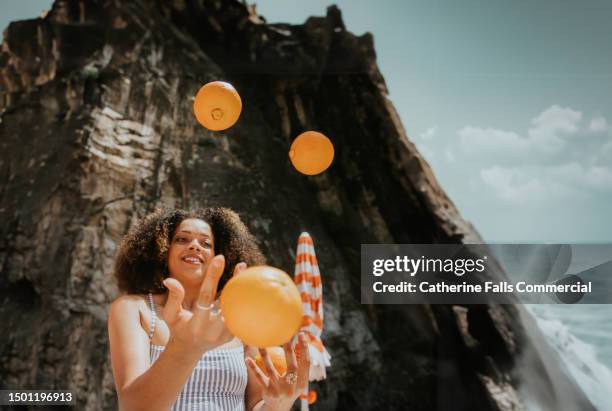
<point x="128" y="303"/>
<point x="125" y="324"/>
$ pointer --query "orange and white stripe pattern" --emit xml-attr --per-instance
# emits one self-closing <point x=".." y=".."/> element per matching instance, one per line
<point x="308" y="280"/>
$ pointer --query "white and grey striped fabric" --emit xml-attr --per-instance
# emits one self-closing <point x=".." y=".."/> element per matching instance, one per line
<point x="217" y="382"/>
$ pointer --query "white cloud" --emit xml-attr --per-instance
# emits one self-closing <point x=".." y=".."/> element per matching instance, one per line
<point x="598" y="124"/>
<point x="429" y="133"/>
<point x="496" y="176"/>
<point x="478" y="140"/>
<point x="514" y="186"/>
<point x="590" y="177"/>
<point x="550" y="126"/>
<point x="545" y="139"/>
<point x="532" y="185"/>
<point x="556" y="120"/>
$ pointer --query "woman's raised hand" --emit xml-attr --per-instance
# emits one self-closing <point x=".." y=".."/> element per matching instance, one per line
<point x="203" y="328"/>
<point x="280" y="392"/>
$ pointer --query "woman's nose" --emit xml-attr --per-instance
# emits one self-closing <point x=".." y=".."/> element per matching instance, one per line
<point x="194" y="245"/>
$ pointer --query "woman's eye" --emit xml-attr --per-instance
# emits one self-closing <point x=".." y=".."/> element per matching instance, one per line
<point x="180" y="239"/>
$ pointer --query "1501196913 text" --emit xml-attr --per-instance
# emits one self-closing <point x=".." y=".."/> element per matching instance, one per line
<point x="36" y="397"/>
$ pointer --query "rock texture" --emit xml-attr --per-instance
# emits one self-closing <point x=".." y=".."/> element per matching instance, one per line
<point x="96" y="130"/>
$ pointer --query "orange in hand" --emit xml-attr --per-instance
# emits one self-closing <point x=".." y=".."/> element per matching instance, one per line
<point x="311" y="153"/>
<point x="277" y="356"/>
<point x="262" y="306"/>
<point x="217" y="105"/>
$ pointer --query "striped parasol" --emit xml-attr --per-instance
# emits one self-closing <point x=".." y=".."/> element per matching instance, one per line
<point x="308" y="280"/>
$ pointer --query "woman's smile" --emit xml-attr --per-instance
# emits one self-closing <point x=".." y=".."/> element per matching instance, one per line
<point x="193" y="259"/>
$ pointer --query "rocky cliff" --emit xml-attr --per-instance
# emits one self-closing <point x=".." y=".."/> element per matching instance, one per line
<point x="96" y="130"/>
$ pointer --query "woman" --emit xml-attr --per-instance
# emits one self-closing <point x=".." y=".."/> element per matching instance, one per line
<point x="169" y="346"/>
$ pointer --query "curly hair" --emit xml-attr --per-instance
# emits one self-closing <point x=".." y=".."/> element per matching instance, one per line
<point x="141" y="263"/>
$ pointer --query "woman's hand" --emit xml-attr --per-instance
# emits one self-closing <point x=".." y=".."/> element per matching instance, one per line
<point x="203" y="329"/>
<point x="280" y="392"/>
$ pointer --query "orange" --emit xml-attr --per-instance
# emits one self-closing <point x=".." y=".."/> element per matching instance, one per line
<point x="277" y="356"/>
<point x="312" y="397"/>
<point x="311" y="153"/>
<point x="217" y="105"/>
<point x="262" y="306"/>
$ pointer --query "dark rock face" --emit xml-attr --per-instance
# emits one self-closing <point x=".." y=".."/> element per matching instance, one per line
<point x="96" y="130"/>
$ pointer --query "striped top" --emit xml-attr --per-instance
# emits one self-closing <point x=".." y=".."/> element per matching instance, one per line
<point x="217" y="382"/>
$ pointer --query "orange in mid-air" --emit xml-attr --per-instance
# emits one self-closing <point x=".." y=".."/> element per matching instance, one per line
<point x="312" y="397"/>
<point x="262" y="306"/>
<point x="217" y="105"/>
<point x="277" y="357"/>
<point x="311" y="153"/>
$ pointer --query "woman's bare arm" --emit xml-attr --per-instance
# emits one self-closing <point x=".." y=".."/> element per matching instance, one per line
<point x="140" y="385"/>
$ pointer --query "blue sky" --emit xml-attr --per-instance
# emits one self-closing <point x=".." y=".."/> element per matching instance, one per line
<point x="509" y="101"/>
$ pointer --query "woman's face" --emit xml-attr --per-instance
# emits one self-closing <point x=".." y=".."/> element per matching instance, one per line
<point x="191" y="250"/>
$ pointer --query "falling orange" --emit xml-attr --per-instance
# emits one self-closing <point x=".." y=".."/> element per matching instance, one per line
<point x="217" y="105"/>
<point x="277" y="357"/>
<point x="312" y="397"/>
<point x="262" y="306"/>
<point x="311" y="153"/>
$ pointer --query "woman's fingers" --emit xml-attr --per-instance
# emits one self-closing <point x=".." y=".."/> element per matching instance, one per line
<point x="208" y="289"/>
<point x="207" y="317"/>
<point x="271" y="370"/>
<point x="292" y="366"/>
<point x="176" y="293"/>
<point x="261" y="377"/>
<point x="303" y="362"/>
<point x="239" y="268"/>
<point x="272" y="388"/>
